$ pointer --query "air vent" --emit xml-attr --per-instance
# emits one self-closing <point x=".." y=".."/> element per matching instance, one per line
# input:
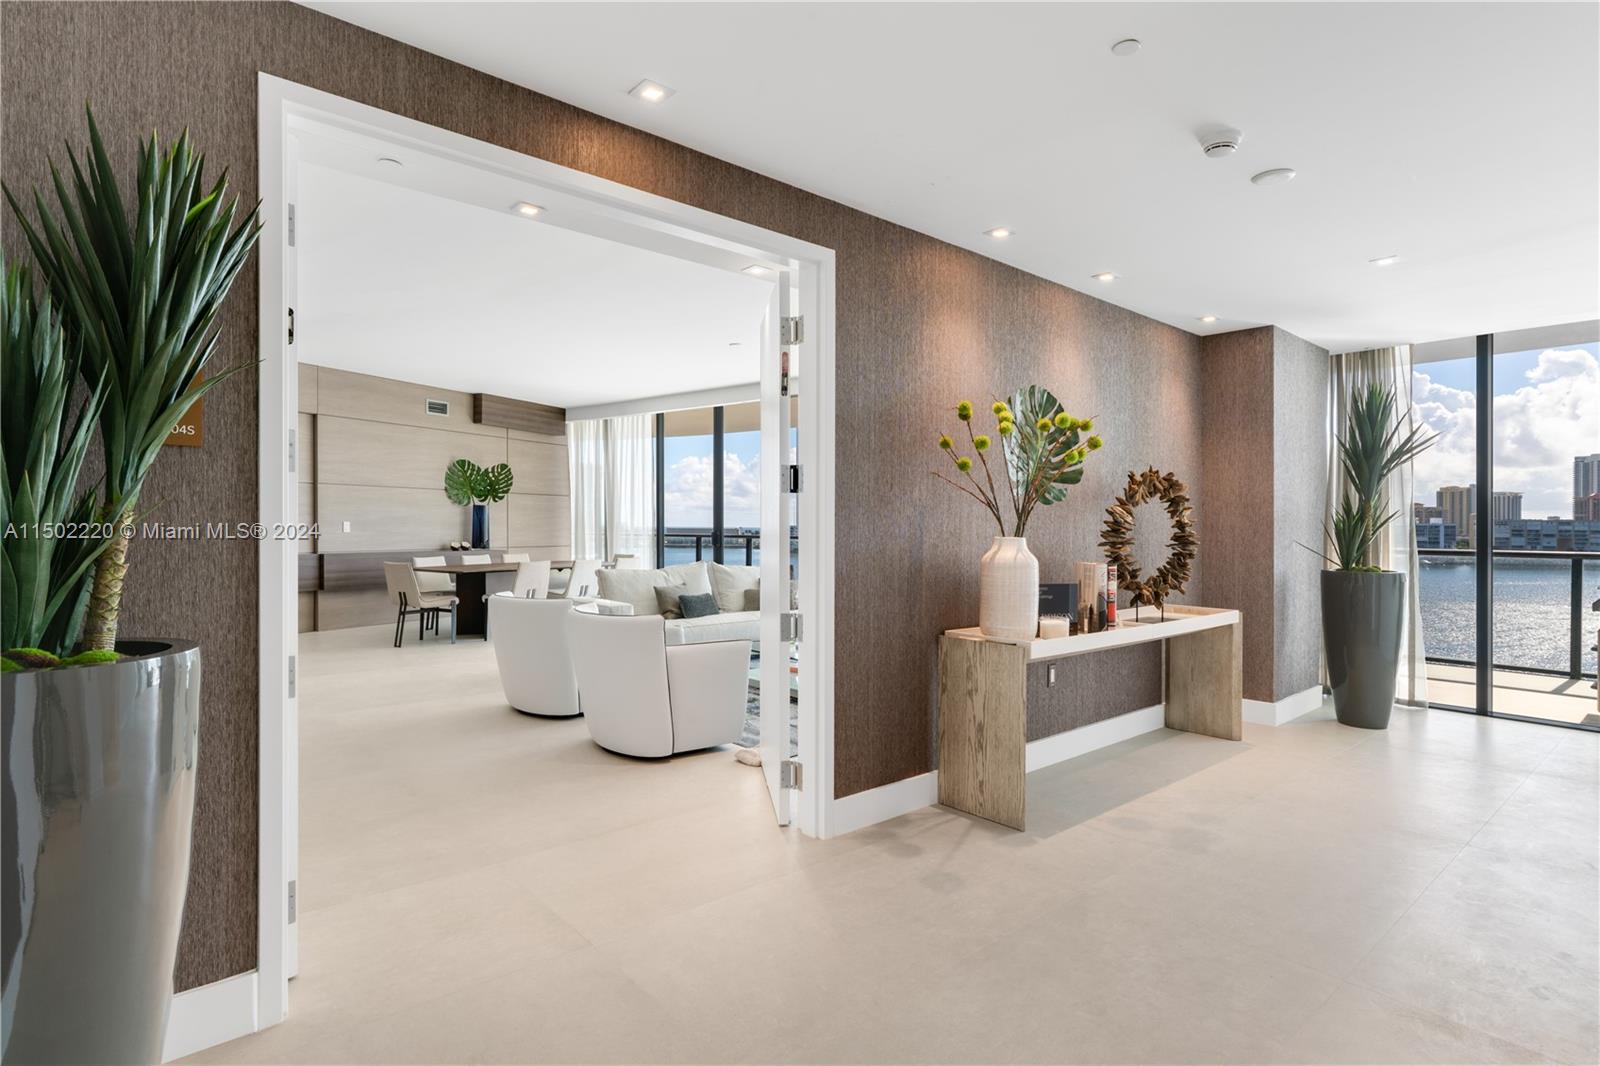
<point x="438" y="407"/>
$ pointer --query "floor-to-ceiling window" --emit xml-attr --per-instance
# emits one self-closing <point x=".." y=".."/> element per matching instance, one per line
<point x="1528" y="479"/>
<point x="688" y="496"/>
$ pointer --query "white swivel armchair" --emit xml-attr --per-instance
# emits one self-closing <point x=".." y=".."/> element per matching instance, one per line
<point x="530" y="646"/>
<point x="641" y="697"/>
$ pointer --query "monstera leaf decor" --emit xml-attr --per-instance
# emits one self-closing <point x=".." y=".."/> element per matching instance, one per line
<point x="465" y="482"/>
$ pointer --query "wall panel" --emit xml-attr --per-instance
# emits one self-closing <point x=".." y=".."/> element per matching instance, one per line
<point x="921" y="324"/>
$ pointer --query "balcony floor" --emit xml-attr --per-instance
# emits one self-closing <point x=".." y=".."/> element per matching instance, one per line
<point x="1555" y="699"/>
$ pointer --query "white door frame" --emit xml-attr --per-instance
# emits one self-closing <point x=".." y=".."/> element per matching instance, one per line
<point x="281" y="103"/>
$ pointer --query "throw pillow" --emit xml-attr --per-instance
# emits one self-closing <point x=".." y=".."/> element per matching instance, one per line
<point x="669" y="600"/>
<point x="697" y="604"/>
<point x="752" y="599"/>
<point x="730" y="584"/>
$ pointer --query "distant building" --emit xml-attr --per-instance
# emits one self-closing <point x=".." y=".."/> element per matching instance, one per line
<point x="1590" y="509"/>
<point x="1457" y="505"/>
<point x="1585" y="481"/>
<point x="1507" y="506"/>
<point x="1532" y="534"/>
<point x="1421" y="512"/>
<point x="1436" y="533"/>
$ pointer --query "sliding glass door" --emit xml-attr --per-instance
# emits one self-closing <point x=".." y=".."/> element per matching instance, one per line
<point x="1508" y="609"/>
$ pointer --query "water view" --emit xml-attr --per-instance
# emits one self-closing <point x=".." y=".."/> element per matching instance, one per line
<point x="1532" y="611"/>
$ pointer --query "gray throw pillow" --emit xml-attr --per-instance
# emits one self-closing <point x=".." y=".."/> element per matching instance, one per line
<point x="752" y="599"/>
<point x="698" y="604"/>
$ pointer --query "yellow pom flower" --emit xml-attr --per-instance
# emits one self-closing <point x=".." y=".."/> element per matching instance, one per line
<point x="1007" y="427"/>
<point x="963" y="464"/>
<point x="1064" y="421"/>
<point x="1086" y="425"/>
<point x="964" y="411"/>
<point x="1095" y="443"/>
<point x="1043" y="425"/>
<point x="1000" y="409"/>
<point x="981" y="443"/>
<point x="945" y="442"/>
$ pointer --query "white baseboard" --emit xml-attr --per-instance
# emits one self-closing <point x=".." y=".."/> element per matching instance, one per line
<point x="210" y="1015"/>
<point x="1047" y="751"/>
<point x="861" y="809"/>
<point x="1261" y="712"/>
<point x="880" y="804"/>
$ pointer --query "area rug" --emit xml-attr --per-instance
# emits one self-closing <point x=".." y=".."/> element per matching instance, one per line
<point x="751" y="737"/>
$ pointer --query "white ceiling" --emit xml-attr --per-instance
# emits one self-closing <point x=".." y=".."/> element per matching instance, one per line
<point x="1463" y="137"/>
<point x="402" y="276"/>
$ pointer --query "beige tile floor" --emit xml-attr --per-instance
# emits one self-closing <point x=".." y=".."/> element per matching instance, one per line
<point x="478" y="886"/>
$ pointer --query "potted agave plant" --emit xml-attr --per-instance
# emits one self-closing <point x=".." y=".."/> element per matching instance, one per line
<point x="1363" y="605"/>
<point x="1044" y="451"/>
<point x="100" y="733"/>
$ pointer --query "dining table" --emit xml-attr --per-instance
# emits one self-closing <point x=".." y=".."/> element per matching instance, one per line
<point x="472" y="608"/>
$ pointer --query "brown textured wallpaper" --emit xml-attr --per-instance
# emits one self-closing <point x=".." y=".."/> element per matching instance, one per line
<point x="1265" y="398"/>
<point x="920" y="325"/>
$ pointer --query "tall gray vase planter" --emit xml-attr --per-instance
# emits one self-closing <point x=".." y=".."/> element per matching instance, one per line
<point x="1363" y="615"/>
<point x="97" y="814"/>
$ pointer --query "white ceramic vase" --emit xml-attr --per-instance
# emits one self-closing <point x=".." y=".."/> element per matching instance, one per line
<point x="1008" y="590"/>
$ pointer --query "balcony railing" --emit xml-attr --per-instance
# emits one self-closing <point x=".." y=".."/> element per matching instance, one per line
<point x="702" y="540"/>
<point x="1579" y="633"/>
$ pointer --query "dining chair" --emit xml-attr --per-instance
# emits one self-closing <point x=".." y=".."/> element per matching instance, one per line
<point x="533" y="580"/>
<point x="477" y="560"/>
<point x="515" y="557"/>
<point x="402" y="583"/>
<point x="433" y="582"/>
<point x="583" y="581"/>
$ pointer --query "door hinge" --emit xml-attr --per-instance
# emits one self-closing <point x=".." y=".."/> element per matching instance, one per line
<point x="292" y="659"/>
<point x="291" y="451"/>
<point x="293" y="885"/>
<point x="291" y="225"/>
<point x="794" y="330"/>
<point x="791" y="774"/>
<point x="794" y="477"/>
<point x="789" y="626"/>
<point x="291" y="325"/>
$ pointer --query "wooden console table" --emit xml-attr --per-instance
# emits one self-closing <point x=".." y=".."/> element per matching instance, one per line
<point x="983" y="697"/>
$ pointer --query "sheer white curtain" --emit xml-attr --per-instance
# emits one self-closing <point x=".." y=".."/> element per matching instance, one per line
<point x="612" y="466"/>
<point x="1396" y="549"/>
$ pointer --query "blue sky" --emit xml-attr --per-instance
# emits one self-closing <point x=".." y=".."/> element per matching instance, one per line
<point x="1546" y="409"/>
<point x="688" y="481"/>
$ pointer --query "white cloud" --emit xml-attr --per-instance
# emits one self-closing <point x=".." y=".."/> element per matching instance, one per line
<point x="1538" y="428"/>
<point x="688" y="491"/>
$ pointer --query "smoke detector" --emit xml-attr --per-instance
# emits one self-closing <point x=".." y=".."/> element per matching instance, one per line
<point x="1219" y="141"/>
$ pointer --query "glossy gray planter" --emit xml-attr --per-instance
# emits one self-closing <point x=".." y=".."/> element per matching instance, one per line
<point x="1363" y="615"/>
<point x="97" y="812"/>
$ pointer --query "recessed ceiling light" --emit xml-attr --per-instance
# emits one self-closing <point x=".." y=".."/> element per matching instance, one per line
<point x="1104" y="275"/>
<point x="1276" y="176"/>
<point x="1208" y="319"/>
<point x="736" y="344"/>
<point x="999" y="233"/>
<point x="1384" y="260"/>
<point x="525" y="209"/>
<point x="390" y="160"/>
<point x="756" y="270"/>
<point x="1126" y="47"/>
<point x="651" y="92"/>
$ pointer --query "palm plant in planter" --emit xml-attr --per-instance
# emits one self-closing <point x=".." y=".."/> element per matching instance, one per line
<point x="1363" y="606"/>
<point x="101" y="745"/>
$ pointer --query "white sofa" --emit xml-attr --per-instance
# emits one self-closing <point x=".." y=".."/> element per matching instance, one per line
<point x="530" y="647"/>
<point x="645" y="698"/>
<point x="633" y="592"/>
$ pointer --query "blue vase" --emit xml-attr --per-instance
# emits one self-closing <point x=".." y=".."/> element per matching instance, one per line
<point x="480" y="525"/>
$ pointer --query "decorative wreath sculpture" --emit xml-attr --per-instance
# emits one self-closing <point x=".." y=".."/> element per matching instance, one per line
<point x="1117" y="537"/>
